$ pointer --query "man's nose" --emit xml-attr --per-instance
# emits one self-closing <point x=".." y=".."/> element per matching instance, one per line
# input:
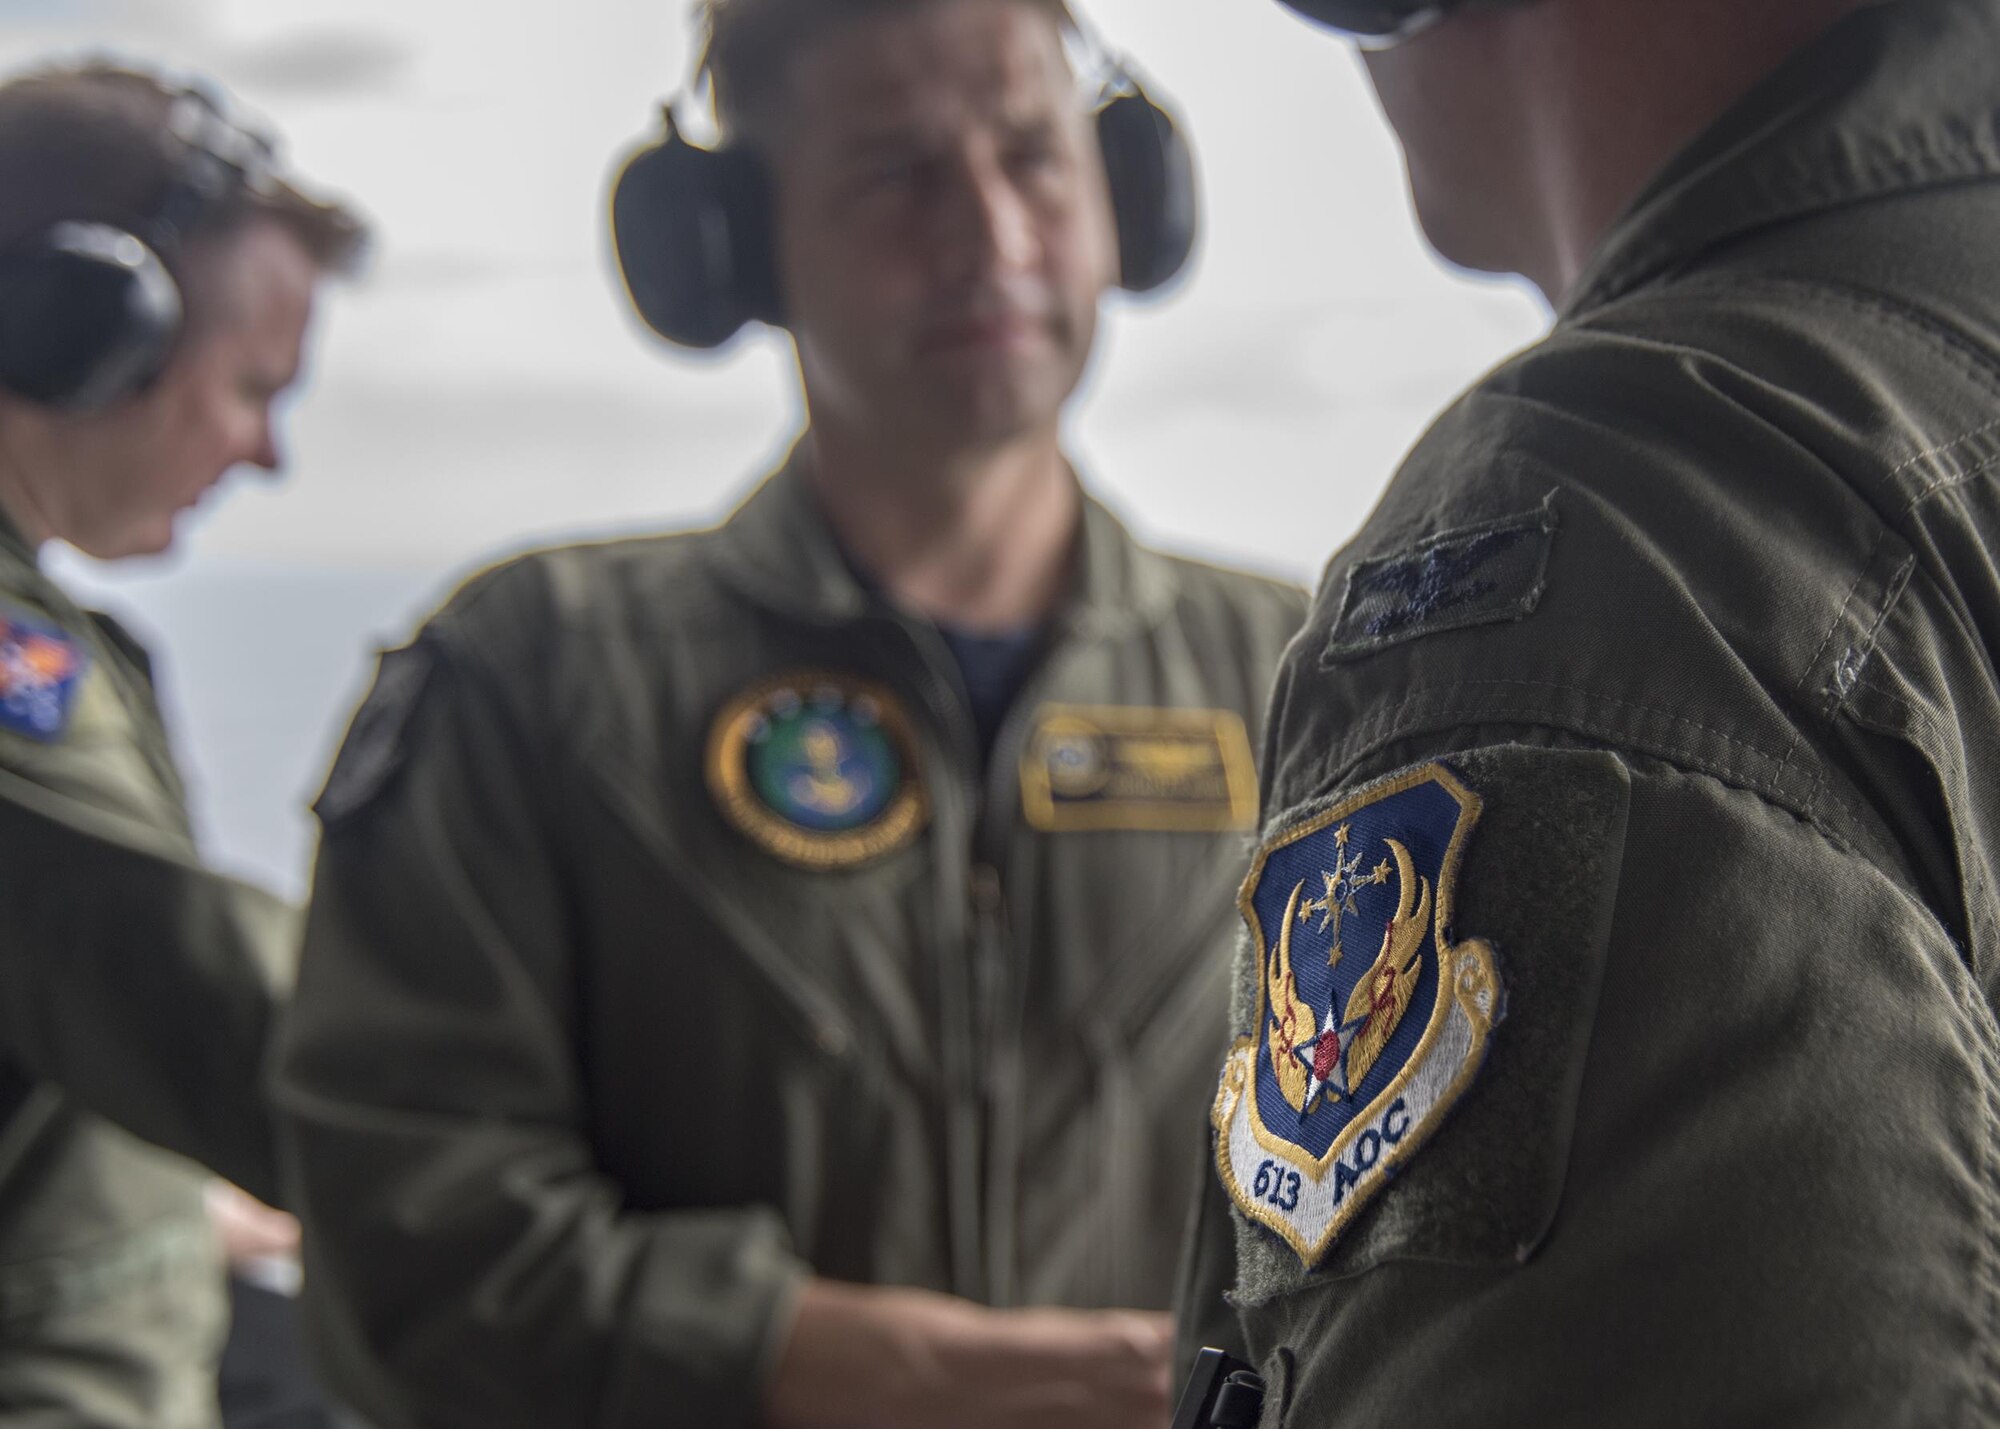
<point x="992" y="223"/>
<point x="267" y="456"/>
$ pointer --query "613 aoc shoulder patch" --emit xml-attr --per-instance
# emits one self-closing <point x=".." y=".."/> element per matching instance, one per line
<point x="1369" y="1022"/>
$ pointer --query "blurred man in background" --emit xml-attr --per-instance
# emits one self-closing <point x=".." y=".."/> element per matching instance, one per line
<point x="747" y="967"/>
<point x="156" y="277"/>
<point x="1657" y="1084"/>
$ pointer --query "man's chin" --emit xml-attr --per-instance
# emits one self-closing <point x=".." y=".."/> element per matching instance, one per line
<point x="1455" y="230"/>
<point x="995" y="403"/>
<point x="153" y="538"/>
<point x="987" y="419"/>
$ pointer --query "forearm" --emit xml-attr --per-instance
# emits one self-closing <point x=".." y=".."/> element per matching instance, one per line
<point x="487" y="1275"/>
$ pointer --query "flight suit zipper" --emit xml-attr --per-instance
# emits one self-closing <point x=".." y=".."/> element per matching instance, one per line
<point x="981" y="992"/>
<point x="958" y="926"/>
<point x="1004" y="985"/>
<point x="988" y="949"/>
<point x="1000" y="988"/>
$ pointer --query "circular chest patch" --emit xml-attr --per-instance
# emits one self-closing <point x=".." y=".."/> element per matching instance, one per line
<point x="818" y="769"/>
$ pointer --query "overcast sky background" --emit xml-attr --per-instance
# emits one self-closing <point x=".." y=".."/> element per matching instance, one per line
<point x="483" y="389"/>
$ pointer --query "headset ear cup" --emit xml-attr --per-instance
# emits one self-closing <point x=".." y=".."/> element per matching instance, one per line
<point x="692" y="230"/>
<point x="88" y="315"/>
<point x="1151" y="174"/>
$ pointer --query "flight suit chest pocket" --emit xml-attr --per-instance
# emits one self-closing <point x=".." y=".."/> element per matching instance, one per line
<point x="740" y="933"/>
<point x="1415" y="1001"/>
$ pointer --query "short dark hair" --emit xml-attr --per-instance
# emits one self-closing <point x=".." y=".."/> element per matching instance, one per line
<point x="751" y="43"/>
<point x="94" y="143"/>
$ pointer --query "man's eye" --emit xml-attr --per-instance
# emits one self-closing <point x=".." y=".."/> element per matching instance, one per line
<point x="1034" y="157"/>
<point x="893" y="174"/>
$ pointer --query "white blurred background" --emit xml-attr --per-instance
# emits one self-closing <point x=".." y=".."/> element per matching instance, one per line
<point x="483" y="388"/>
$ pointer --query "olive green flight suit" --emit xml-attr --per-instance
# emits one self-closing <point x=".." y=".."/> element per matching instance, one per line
<point x="583" y="1076"/>
<point x="136" y="990"/>
<point x="1699" y="597"/>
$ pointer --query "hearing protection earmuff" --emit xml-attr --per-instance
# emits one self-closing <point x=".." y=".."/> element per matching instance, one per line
<point x="89" y="312"/>
<point x="692" y="226"/>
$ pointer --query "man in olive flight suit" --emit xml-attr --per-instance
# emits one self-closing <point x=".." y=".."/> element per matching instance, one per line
<point x="156" y="278"/>
<point x="1645" y="745"/>
<point x="746" y="968"/>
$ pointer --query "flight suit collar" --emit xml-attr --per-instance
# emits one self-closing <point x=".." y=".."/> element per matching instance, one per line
<point x="14" y="546"/>
<point x="777" y="550"/>
<point x="21" y="575"/>
<point x="1900" y="95"/>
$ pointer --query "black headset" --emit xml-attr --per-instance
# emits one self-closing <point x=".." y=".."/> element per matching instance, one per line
<point x="692" y="226"/>
<point x="89" y="313"/>
<point x="1382" y="21"/>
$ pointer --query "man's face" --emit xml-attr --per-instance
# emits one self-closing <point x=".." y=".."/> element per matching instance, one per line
<point x="943" y="228"/>
<point x="136" y="467"/>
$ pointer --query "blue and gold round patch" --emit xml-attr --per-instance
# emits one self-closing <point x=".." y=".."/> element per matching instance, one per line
<point x="818" y="769"/>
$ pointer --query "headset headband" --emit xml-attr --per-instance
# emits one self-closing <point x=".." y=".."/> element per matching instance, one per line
<point x="220" y="158"/>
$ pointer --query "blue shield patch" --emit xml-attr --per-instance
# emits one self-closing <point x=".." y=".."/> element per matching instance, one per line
<point x="1370" y="1022"/>
<point x="41" y="670"/>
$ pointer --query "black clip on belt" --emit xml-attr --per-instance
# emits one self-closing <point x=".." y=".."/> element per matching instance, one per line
<point x="1221" y="1393"/>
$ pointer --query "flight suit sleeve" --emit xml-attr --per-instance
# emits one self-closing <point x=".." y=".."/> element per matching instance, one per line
<point x="1705" y="1131"/>
<point x="467" y="1262"/>
<point x="1736" y="1103"/>
<point x="138" y="981"/>
<point x="1203" y="1315"/>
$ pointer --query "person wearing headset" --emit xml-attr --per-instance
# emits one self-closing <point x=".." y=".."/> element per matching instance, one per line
<point x="156" y="275"/>
<point x="1657" y="1084"/>
<point x="772" y="975"/>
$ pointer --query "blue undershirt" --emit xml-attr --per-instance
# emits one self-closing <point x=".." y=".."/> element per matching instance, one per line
<point x="993" y="667"/>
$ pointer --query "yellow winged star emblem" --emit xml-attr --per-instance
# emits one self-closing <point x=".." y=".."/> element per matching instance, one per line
<point x="1348" y="1067"/>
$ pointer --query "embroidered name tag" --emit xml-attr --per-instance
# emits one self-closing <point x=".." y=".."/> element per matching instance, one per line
<point x="1132" y="767"/>
<point x="818" y="768"/>
<point x="1370" y="1022"/>
<point x="1478" y="575"/>
<point x="41" y="670"/>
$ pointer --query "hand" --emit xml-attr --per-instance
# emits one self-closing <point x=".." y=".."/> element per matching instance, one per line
<point x="249" y="1230"/>
<point x="866" y="1358"/>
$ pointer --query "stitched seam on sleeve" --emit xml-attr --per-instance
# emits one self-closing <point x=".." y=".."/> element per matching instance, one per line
<point x="1432" y="707"/>
<point x="1441" y="693"/>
